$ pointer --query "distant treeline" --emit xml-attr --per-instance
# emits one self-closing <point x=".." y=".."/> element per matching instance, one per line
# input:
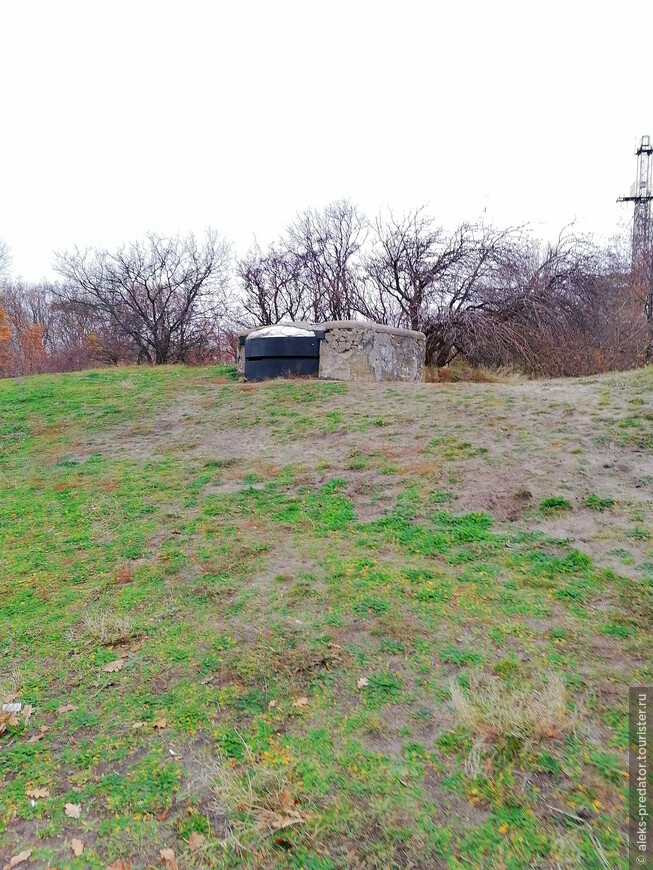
<point x="490" y="296"/>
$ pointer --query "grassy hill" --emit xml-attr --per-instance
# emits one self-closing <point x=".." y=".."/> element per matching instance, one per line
<point x="320" y="625"/>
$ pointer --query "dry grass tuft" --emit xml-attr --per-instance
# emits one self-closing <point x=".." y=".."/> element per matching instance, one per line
<point x="459" y="372"/>
<point x="495" y="713"/>
<point x="107" y="628"/>
<point x="256" y="800"/>
<point x="9" y="686"/>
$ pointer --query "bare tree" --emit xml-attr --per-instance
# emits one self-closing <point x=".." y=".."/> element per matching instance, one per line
<point x="326" y="245"/>
<point x="159" y="293"/>
<point x="5" y="262"/>
<point x="312" y="273"/>
<point x="409" y="256"/>
<point x="272" y="285"/>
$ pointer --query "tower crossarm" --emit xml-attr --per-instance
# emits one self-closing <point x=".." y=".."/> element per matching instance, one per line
<point x="647" y="198"/>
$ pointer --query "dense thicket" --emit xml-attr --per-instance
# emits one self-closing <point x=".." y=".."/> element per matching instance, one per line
<point x="489" y="296"/>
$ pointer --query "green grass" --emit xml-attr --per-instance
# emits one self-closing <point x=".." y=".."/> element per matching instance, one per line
<point x="293" y="673"/>
<point x="595" y="503"/>
<point x="555" y="504"/>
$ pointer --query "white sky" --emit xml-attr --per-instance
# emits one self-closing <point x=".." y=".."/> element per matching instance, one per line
<point x="119" y="117"/>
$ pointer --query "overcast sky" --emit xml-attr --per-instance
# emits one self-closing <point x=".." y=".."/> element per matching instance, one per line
<point x="123" y="117"/>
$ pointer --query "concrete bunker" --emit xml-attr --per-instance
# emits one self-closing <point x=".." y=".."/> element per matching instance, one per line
<point x="346" y="350"/>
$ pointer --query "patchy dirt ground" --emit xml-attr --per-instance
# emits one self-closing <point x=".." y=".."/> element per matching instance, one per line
<point x="527" y="440"/>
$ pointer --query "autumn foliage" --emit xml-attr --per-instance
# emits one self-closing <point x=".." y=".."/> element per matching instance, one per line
<point x="5" y="342"/>
<point x="21" y="347"/>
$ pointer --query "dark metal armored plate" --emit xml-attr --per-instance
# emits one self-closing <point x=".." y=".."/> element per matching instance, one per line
<point x="281" y="367"/>
<point x="279" y="356"/>
<point x="280" y="346"/>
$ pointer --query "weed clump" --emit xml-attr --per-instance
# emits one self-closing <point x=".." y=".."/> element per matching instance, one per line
<point x="555" y="504"/>
<point x="595" y="503"/>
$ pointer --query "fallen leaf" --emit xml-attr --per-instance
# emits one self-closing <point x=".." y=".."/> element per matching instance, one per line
<point x="36" y="737"/>
<point x="77" y="846"/>
<point x="169" y="859"/>
<point x="38" y="793"/>
<point x="285" y="817"/>
<point x="138" y="725"/>
<point x="18" y="859"/>
<point x="8" y="719"/>
<point x="362" y="682"/>
<point x="300" y="702"/>
<point x="162" y="816"/>
<point x="73" y="811"/>
<point x="119" y="865"/>
<point x="272" y="704"/>
<point x="66" y="708"/>
<point x="195" y="841"/>
<point x="114" y="666"/>
<point x="333" y="646"/>
<point x="160" y="724"/>
<point x="27" y="713"/>
<point x="278" y="821"/>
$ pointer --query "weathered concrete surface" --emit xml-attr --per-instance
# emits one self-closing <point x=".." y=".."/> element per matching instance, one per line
<point x="240" y="358"/>
<point x="354" y="350"/>
<point x="358" y="351"/>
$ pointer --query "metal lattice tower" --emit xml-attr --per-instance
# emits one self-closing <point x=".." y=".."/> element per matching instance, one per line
<point x="641" y="193"/>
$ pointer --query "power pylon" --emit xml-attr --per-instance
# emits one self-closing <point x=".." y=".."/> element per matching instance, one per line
<point x="641" y="193"/>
